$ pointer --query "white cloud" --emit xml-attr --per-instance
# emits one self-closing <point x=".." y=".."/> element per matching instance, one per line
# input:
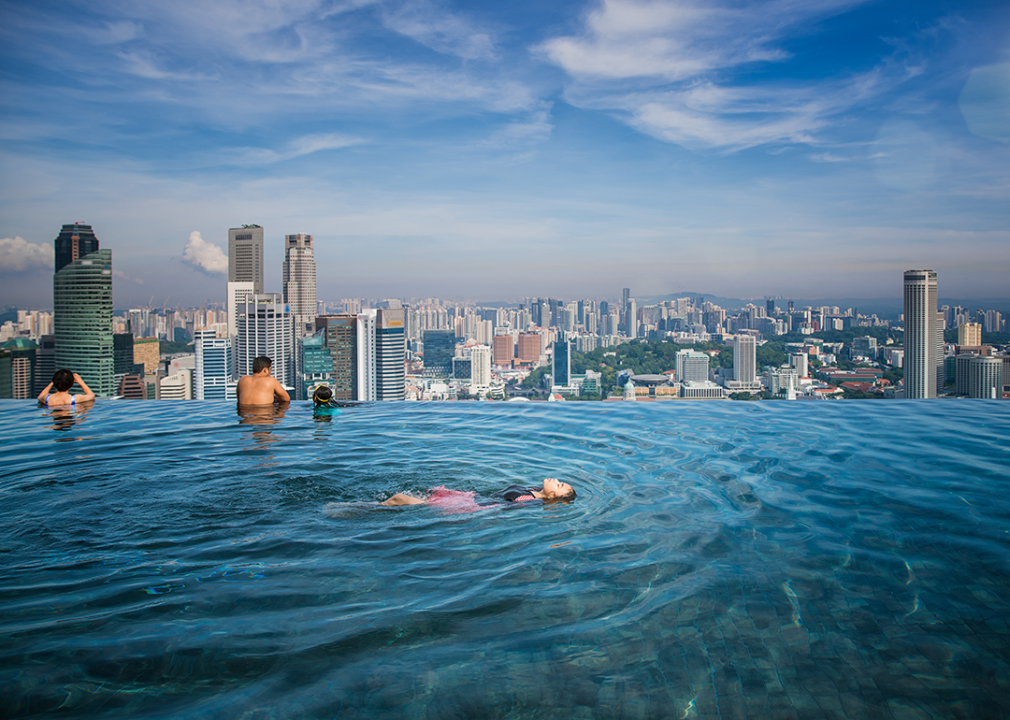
<point x="204" y="255"/>
<point x="17" y="255"/>
<point x="305" y="145"/>
<point x="666" y="67"/>
<point x="120" y="274"/>
<point x="440" y="30"/>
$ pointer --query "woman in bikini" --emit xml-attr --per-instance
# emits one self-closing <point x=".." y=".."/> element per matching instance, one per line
<point x="63" y="380"/>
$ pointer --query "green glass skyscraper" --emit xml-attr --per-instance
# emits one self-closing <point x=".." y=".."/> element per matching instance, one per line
<point x="82" y="320"/>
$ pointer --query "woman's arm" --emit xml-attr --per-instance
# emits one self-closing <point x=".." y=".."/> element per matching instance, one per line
<point x="42" y="395"/>
<point x="88" y="395"/>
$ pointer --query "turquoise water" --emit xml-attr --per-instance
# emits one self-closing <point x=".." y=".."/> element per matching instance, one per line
<point x="775" y="559"/>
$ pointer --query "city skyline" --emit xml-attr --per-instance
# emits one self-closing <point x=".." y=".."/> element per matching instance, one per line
<point x="466" y="151"/>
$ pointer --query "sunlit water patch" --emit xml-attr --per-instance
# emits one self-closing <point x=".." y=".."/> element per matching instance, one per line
<point x="806" y="560"/>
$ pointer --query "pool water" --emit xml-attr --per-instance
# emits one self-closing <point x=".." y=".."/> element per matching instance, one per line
<point x="722" y="560"/>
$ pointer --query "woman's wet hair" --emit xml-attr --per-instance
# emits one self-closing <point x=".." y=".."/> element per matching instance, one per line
<point x="63" y="380"/>
<point x="322" y="395"/>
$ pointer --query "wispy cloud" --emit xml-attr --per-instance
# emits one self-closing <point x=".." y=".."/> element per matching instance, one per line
<point x="437" y="28"/>
<point x="299" y="147"/>
<point x="675" y="70"/>
<point x="18" y="255"/>
<point x="204" y="256"/>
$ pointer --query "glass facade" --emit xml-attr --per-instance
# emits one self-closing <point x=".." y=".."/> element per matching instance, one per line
<point x="82" y="320"/>
<point x="439" y="348"/>
<point x="316" y="364"/>
<point x="74" y="242"/>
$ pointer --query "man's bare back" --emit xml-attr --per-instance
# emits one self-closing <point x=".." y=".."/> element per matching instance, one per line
<point x="260" y="388"/>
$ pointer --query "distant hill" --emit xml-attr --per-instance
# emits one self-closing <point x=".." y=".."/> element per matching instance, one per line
<point x="890" y="307"/>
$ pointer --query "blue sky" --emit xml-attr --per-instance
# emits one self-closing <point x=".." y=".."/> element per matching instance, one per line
<point x="496" y="150"/>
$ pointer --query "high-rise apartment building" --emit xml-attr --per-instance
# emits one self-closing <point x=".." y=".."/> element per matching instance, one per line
<point x="502" y="350"/>
<point x="245" y="256"/>
<point x="745" y="359"/>
<point x="529" y="348"/>
<point x="82" y="320"/>
<point x="265" y="328"/>
<point x="921" y="334"/>
<point x="214" y="363"/>
<point x="480" y="366"/>
<point x="74" y="242"/>
<point x="17" y="369"/>
<point x="969" y="333"/>
<point x="300" y="282"/>
<point x="691" y="366"/>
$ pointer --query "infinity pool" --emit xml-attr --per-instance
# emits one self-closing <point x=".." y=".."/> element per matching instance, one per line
<point x="773" y="559"/>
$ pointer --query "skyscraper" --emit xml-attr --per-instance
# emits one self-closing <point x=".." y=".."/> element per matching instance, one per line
<point x="264" y="328"/>
<point x="340" y="338"/>
<point x="562" y="362"/>
<point x="390" y="354"/>
<point x="921" y="331"/>
<point x="82" y="319"/>
<point x="245" y="256"/>
<point x="969" y="333"/>
<point x="985" y="378"/>
<point x="236" y="295"/>
<point x="480" y="366"/>
<point x="300" y="281"/>
<point x="213" y="366"/>
<point x="74" y="242"/>
<point x="745" y="359"/>
<point x="439" y="348"/>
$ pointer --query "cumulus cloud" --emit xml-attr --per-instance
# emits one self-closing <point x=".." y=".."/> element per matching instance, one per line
<point x="204" y="255"/>
<point x="18" y="255"/>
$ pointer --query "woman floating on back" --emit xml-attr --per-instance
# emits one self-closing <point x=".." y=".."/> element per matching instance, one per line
<point x="63" y="380"/>
<point x="553" y="490"/>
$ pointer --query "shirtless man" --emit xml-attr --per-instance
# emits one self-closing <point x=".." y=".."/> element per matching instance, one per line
<point x="261" y="388"/>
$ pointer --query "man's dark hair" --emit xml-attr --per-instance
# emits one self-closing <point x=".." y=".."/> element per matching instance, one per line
<point x="63" y="380"/>
<point x="262" y="363"/>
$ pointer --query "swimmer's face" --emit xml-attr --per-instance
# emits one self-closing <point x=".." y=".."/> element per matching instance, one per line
<point x="554" y="488"/>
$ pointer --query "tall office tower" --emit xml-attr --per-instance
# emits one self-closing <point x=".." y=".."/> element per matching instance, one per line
<point x="265" y="328"/>
<point x="45" y="363"/>
<point x="561" y="368"/>
<point x="692" y="366"/>
<point x="390" y="355"/>
<point x="503" y="350"/>
<point x="315" y="364"/>
<point x="17" y="369"/>
<point x="340" y="333"/>
<point x="245" y="256"/>
<point x="213" y="375"/>
<point x="74" y="242"/>
<point x="969" y="334"/>
<point x="300" y="282"/>
<point x="439" y="347"/>
<point x="745" y="359"/>
<point x="631" y="319"/>
<point x="985" y="379"/>
<point x="236" y="295"/>
<point x="920" y="334"/>
<point x="480" y="366"/>
<point x="82" y="320"/>
<point x="799" y="361"/>
<point x="770" y="306"/>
